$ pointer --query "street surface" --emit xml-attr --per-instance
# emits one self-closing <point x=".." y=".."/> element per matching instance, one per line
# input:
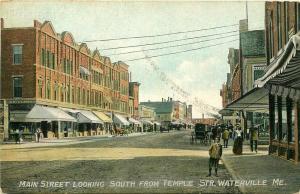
<point x="151" y="163"/>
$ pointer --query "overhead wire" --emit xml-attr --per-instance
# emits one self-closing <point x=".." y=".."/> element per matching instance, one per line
<point x="163" y="42"/>
<point x="172" y="46"/>
<point x="172" y="53"/>
<point x="158" y="35"/>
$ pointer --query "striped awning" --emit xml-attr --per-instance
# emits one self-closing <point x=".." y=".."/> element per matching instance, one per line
<point x="285" y="70"/>
<point x="103" y="117"/>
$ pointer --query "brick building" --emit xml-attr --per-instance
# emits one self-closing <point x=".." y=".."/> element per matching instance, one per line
<point x="282" y="27"/>
<point x="43" y="67"/>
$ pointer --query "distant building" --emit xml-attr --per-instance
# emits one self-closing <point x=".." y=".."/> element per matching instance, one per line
<point x="206" y="121"/>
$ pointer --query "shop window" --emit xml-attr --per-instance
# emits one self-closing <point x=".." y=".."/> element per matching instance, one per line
<point x="17" y="84"/>
<point x="55" y="91"/>
<point x="276" y="126"/>
<point x="284" y="120"/>
<point x="17" y="54"/>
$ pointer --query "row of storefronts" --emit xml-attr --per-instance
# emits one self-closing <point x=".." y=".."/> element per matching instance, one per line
<point x="58" y="122"/>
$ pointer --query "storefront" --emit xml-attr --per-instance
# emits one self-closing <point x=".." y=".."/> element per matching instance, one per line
<point x="107" y="126"/>
<point x="53" y="122"/>
<point x="88" y="123"/>
<point x="283" y="83"/>
<point x="134" y="125"/>
<point x="120" y="121"/>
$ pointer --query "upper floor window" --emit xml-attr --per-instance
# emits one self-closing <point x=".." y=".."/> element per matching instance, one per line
<point x="17" y="54"/>
<point x="17" y="84"/>
<point x="279" y="23"/>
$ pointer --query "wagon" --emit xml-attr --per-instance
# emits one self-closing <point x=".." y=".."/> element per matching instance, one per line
<point x="200" y="134"/>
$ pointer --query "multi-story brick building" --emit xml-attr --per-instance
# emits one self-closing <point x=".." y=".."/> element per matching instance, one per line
<point x="43" y="67"/>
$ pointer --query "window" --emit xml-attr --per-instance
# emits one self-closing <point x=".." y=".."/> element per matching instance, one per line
<point x="286" y="16"/>
<point x="40" y="88"/>
<point x="17" y="84"/>
<point x="49" y="58"/>
<point x="17" y="54"/>
<point x="279" y="26"/>
<point x="55" y="91"/>
<point x="270" y="36"/>
<point x="48" y="89"/>
<point x="43" y="57"/>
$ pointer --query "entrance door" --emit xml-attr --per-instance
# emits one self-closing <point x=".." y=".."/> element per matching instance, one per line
<point x="44" y="128"/>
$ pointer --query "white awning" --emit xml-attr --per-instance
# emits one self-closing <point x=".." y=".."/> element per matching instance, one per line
<point x="120" y="120"/>
<point x="85" y="116"/>
<point x="133" y="121"/>
<point x="42" y="113"/>
<point x="74" y="111"/>
<point x="157" y="123"/>
<point x="84" y="70"/>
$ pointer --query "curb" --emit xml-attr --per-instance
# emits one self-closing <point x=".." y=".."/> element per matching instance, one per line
<point x="232" y="173"/>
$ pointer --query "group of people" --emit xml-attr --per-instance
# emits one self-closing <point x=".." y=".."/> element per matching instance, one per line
<point x="215" y="150"/>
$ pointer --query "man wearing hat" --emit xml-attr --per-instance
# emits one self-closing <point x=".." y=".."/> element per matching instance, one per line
<point x="215" y="153"/>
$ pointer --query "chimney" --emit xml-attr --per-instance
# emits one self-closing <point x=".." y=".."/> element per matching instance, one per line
<point x="130" y="76"/>
<point x="2" y="23"/>
<point x="168" y="99"/>
<point x="202" y="115"/>
<point x="162" y="99"/>
<point x="171" y="99"/>
<point x="37" y="24"/>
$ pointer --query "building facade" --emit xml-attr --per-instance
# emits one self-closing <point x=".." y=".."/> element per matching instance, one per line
<point x="43" y="67"/>
<point x="282" y="26"/>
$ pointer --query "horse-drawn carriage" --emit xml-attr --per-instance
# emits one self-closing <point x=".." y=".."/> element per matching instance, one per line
<point x="202" y="134"/>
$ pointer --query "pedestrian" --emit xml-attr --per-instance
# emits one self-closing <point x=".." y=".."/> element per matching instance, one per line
<point x="17" y="136"/>
<point x="238" y="142"/>
<point x="225" y="137"/>
<point x="38" y="134"/>
<point x="254" y="139"/>
<point x="215" y="153"/>
<point x="21" y="135"/>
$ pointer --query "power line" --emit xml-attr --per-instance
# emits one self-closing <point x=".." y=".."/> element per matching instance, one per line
<point x="159" y="48"/>
<point x="176" y="40"/>
<point x="157" y="35"/>
<point x="172" y="53"/>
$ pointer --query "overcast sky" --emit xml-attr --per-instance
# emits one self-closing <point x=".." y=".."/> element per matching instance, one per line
<point x="200" y="72"/>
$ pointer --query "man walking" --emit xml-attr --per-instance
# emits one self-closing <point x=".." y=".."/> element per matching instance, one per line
<point x="215" y="153"/>
<point x="254" y="139"/>
<point x="225" y="137"/>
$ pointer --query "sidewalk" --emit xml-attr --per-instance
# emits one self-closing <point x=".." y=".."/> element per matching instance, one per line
<point x="58" y="142"/>
<point x="262" y="167"/>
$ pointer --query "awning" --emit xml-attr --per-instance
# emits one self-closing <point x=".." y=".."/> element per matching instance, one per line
<point x="42" y="113"/>
<point x="230" y="117"/>
<point x="120" y="120"/>
<point x="256" y="100"/>
<point x="157" y="123"/>
<point x="146" y="122"/>
<point x="133" y="121"/>
<point x="84" y="70"/>
<point x="103" y="117"/>
<point x="285" y="70"/>
<point x="175" y="123"/>
<point x="74" y="111"/>
<point x="85" y="116"/>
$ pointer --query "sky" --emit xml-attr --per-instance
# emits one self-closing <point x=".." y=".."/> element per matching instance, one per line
<point x="200" y="72"/>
